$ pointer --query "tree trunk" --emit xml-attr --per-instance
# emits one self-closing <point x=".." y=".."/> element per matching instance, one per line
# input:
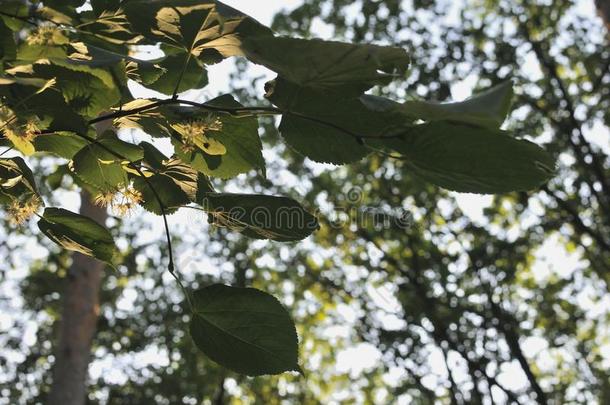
<point x="79" y="318"/>
<point x="603" y="7"/>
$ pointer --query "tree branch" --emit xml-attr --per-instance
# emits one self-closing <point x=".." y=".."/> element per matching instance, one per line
<point x="512" y="339"/>
<point x="551" y="68"/>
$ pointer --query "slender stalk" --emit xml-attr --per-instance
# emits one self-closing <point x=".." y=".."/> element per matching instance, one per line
<point x="171" y="267"/>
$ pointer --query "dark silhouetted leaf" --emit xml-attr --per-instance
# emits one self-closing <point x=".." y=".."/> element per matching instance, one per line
<point x="350" y="68"/>
<point x="261" y="216"/>
<point x="327" y="126"/>
<point x="471" y="159"/>
<point x="244" y="330"/>
<point x="487" y="109"/>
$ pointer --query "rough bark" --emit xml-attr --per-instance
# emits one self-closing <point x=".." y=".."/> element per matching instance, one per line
<point x="79" y="318"/>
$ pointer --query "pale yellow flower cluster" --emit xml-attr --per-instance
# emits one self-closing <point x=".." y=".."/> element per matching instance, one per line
<point x="194" y="135"/>
<point x="44" y="35"/>
<point x="19" y="212"/>
<point x="121" y="201"/>
<point x="20" y="134"/>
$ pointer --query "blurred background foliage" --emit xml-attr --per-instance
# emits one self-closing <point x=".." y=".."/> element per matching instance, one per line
<point x="503" y="304"/>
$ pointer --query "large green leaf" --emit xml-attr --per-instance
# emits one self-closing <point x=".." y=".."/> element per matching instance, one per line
<point x="179" y="68"/>
<point x="350" y="68"/>
<point x="97" y="166"/>
<point x="261" y="216"/>
<point x="471" y="159"/>
<point x="237" y="135"/>
<point x="89" y="91"/>
<point x="64" y="144"/>
<point x="487" y="109"/>
<point x="244" y="330"/>
<point x="327" y="126"/>
<point x="78" y="233"/>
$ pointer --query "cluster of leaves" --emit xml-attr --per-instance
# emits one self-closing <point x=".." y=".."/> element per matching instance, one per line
<point x="63" y="85"/>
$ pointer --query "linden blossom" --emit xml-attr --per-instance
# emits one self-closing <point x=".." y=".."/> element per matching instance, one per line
<point x="121" y="201"/>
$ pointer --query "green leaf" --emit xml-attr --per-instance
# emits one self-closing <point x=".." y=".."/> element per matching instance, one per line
<point x="194" y="76"/>
<point x="487" y="109"/>
<point x="17" y="8"/>
<point x="16" y="180"/>
<point x="8" y="49"/>
<point x="43" y="101"/>
<point x="175" y="183"/>
<point x="261" y="216"/>
<point x="97" y="166"/>
<point x="207" y="30"/>
<point x="63" y="144"/>
<point x="327" y="126"/>
<point x="322" y="65"/>
<point x="244" y="330"/>
<point x="89" y="91"/>
<point x="78" y="233"/>
<point x="54" y="47"/>
<point x="471" y="159"/>
<point x="152" y="121"/>
<point x="171" y="195"/>
<point x="153" y="156"/>
<point x="238" y="136"/>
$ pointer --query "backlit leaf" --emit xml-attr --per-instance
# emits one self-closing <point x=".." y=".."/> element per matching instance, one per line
<point x="327" y="126"/>
<point x="237" y="135"/>
<point x="78" y="233"/>
<point x="97" y="166"/>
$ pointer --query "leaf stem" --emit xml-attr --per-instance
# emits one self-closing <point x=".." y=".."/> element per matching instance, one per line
<point x="171" y="267"/>
<point x="250" y="110"/>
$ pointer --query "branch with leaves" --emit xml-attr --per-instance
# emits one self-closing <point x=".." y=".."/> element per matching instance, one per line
<point x="73" y="70"/>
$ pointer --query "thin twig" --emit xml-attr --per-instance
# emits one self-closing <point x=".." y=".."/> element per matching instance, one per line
<point x="6" y="151"/>
<point x="171" y="266"/>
